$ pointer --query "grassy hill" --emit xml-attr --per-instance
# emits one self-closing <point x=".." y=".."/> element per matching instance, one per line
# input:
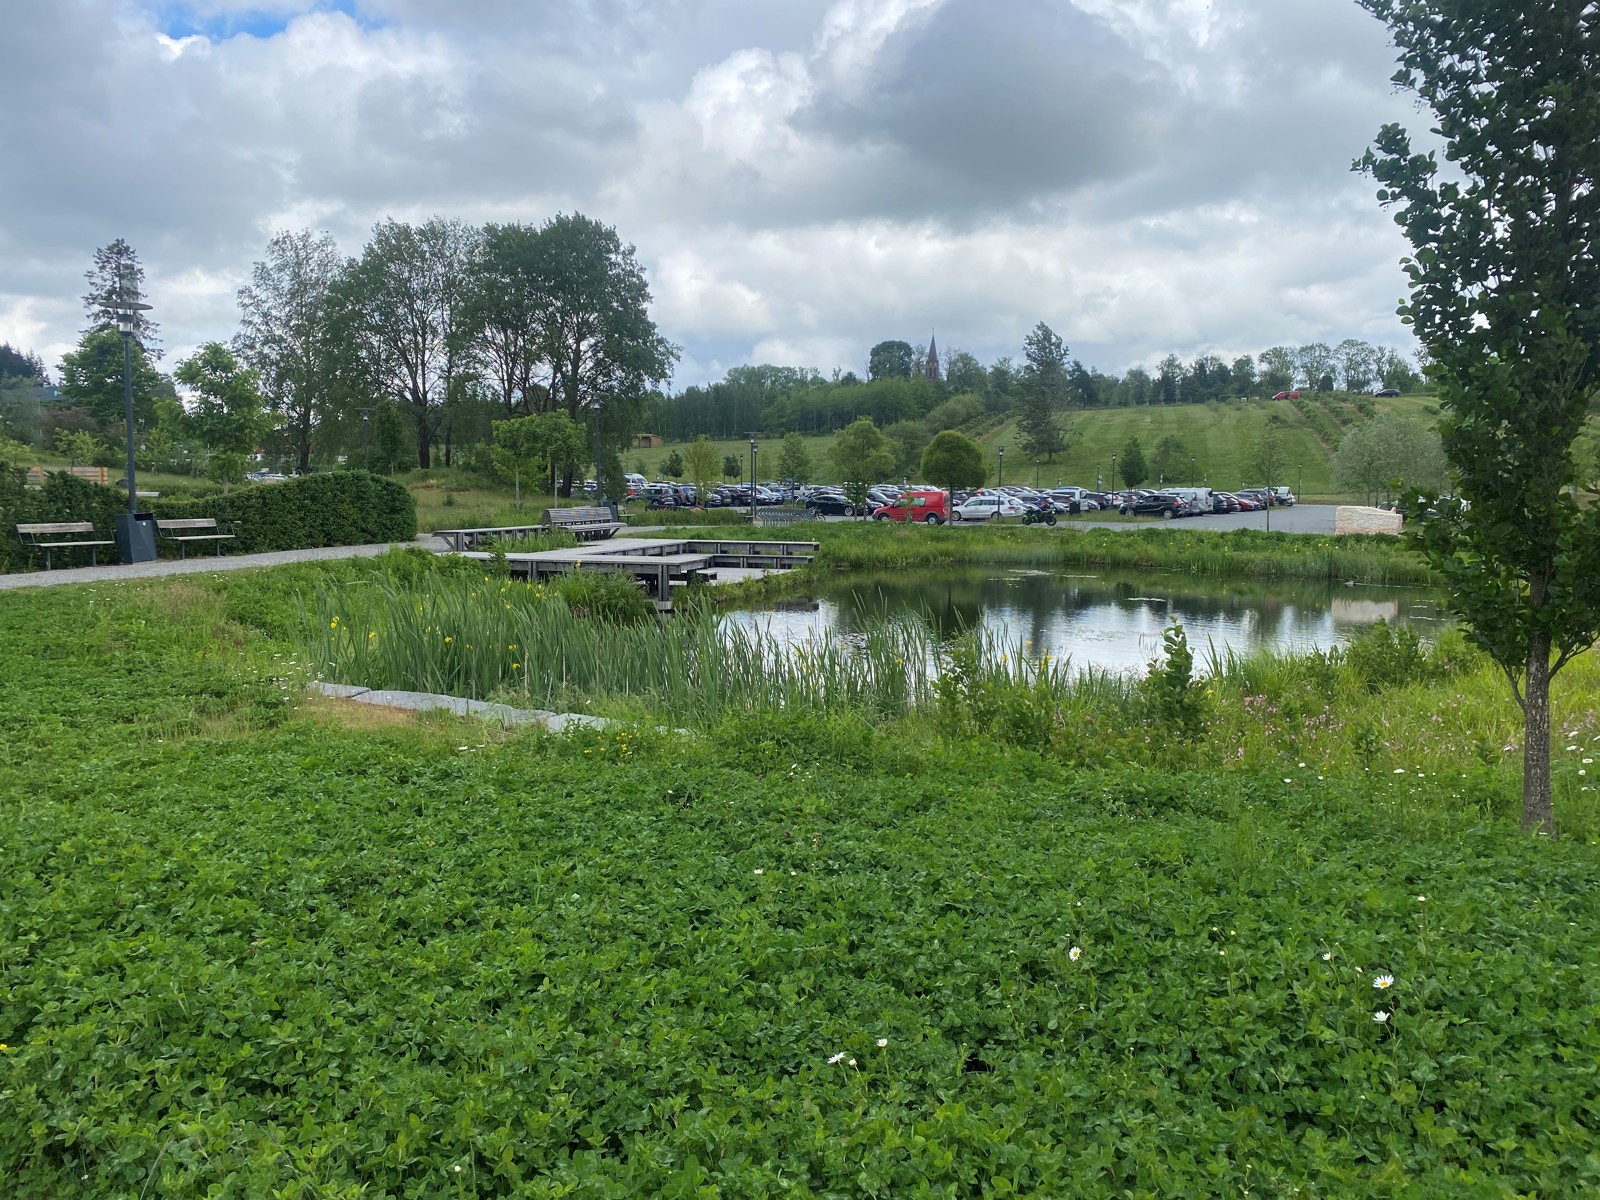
<point x="1220" y="436"/>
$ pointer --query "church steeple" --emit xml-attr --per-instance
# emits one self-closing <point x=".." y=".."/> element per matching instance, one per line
<point x="931" y="367"/>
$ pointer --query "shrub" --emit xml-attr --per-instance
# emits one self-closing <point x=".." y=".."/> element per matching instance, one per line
<point x="341" y="508"/>
<point x="605" y="595"/>
<point x="64" y="497"/>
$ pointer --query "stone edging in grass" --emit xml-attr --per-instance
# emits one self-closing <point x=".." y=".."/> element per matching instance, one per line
<point x="429" y="702"/>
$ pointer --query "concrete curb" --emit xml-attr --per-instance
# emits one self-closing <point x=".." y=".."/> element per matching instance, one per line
<point x="432" y="702"/>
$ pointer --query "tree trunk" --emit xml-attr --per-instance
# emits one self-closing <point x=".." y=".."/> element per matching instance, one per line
<point x="1537" y="813"/>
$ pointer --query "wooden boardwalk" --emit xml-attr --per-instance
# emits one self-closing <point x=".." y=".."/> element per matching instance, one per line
<point x="661" y="564"/>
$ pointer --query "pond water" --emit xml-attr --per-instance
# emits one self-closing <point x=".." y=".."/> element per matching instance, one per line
<point x="1105" y="621"/>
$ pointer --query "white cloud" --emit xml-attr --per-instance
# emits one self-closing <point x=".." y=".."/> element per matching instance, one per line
<point x="801" y="180"/>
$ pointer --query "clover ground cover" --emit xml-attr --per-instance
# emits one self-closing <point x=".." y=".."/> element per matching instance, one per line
<point x="253" y="944"/>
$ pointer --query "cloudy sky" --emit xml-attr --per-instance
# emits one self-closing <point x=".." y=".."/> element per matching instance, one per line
<point x="802" y="178"/>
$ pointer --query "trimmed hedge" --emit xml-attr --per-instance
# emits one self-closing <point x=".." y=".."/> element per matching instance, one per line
<point x="344" y="508"/>
<point x="340" y="508"/>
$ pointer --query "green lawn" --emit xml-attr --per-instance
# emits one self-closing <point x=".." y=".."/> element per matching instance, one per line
<point x="1220" y="436"/>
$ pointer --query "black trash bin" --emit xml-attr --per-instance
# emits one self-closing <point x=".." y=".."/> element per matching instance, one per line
<point x="136" y="537"/>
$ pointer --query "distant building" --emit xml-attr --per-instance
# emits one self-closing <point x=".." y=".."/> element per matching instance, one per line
<point x="647" y="441"/>
<point x="931" y="368"/>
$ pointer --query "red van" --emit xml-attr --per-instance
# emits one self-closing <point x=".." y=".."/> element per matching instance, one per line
<point x="928" y="505"/>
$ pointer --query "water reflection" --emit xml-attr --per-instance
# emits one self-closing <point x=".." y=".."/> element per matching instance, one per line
<point x="1107" y="621"/>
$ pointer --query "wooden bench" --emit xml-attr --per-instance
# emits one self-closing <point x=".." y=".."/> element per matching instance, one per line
<point x="469" y="539"/>
<point x="783" y="514"/>
<point x="192" y="529"/>
<point x="61" y="535"/>
<point x="585" y="524"/>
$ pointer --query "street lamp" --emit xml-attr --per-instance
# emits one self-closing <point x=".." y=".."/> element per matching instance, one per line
<point x="754" y="450"/>
<point x="1113" y="472"/>
<point x="1036" y="474"/>
<point x="366" y="443"/>
<point x="1300" y="480"/>
<point x="1191" y="470"/>
<point x="135" y="538"/>
<point x="1000" y="477"/>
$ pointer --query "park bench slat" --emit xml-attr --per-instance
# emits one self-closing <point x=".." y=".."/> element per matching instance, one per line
<point x="33" y="533"/>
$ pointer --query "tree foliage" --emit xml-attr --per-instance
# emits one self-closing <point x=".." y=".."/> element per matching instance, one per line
<point x="397" y="304"/>
<point x="861" y="457"/>
<point x="1388" y="453"/>
<point x="226" y="414"/>
<point x="1132" y="466"/>
<point x="115" y="278"/>
<point x="794" y="460"/>
<point x="92" y="375"/>
<point x="1503" y="277"/>
<point x="1044" y="391"/>
<point x="890" y="360"/>
<point x="700" y="466"/>
<point x="953" y="460"/>
<point x="287" y="334"/>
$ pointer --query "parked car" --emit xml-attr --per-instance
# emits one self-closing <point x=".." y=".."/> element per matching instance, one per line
<point x="1283" y="496"/>
<point x="1387" y="392"/>
<point x="1157" y="504"/>
<point x="927" y="505"/>
<point x="986" y="506"/>
<point x="1293" y="394"/>
<point x="831" y="504"/>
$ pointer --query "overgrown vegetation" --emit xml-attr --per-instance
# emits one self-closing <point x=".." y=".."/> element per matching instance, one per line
<point x="255" y="943"/>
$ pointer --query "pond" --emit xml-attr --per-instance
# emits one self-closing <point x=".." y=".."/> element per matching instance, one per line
<point x="1102" y="620"/>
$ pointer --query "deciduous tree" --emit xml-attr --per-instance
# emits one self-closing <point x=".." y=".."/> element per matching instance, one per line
<point x="287" y="334"/>
<point x="1132" y="466"/>
<point x="861" y="457"/>
<point x="794" y="460"/>
<point x="1504" y="276"/>
<point x="1044" y="389"/>
<point x="953" y="460"/>
<point x="700" y="466"/>
<point x="889" y="360"/>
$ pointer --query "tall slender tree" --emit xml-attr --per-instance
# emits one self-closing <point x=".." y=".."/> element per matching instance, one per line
<point x="1046" y="385"/>
<point x="398" y="305"/>
<point x="287" y="335"/>
<point x="1504" y="276"/>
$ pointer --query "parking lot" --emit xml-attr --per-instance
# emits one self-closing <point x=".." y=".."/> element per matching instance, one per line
<point x="1299" y="518"/>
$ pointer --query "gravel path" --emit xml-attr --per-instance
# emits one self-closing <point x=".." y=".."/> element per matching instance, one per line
<point x="200" y="564"/>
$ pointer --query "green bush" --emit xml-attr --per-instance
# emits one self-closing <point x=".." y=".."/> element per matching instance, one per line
<point x="605" y="595"/>
<point x="344" y="509"/>
<point x="341" y="508"/>
<point x="64" y="497"/>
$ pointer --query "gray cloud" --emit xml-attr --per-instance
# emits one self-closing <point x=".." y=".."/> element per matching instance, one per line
<point x="801" y="179"/>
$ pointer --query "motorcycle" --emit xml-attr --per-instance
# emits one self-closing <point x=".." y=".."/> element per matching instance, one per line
<point x="1039" y="514"/>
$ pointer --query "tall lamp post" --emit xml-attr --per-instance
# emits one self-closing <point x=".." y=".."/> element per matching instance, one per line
<point x="366" y="441"/>
<point x="135" y="538"/>
<point x="1000" y="477"/>
<point x="599" y="485"/>
<point x="1191" y="470"/>
<point x="754" y="450"/>
<point x="1113" y="473"/>
<point x="1300" y="480"/>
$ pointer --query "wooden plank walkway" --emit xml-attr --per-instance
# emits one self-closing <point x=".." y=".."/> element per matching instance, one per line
<point x="659" y="564"/>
